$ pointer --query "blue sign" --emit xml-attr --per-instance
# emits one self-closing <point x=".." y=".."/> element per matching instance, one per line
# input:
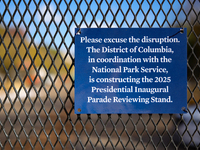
<point x="130" y="70"/>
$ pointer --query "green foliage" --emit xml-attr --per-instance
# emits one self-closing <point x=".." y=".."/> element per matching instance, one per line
<point x="18" y="52"/>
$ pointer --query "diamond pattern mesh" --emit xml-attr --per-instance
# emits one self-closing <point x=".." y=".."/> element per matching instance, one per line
<point x="37" y="76"/>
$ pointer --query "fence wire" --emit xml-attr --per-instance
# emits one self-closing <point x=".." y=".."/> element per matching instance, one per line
<point x="37" y="76"/>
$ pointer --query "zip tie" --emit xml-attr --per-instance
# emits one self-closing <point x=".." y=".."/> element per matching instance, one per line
<point x="184" y="109"/>
<point x="181" y="31"/>
<point x="78" y="32"/>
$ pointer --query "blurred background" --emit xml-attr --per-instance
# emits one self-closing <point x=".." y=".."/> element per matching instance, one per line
<point x="37" y="76"/>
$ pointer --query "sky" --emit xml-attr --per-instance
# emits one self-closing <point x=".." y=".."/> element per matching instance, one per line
<point x="55" y="29"/>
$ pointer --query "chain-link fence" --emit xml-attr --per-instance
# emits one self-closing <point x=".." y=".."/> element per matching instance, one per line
<point x="37" y="76"/>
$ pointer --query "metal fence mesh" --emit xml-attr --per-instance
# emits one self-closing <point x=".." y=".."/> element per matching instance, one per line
<point x="37" y="76"/>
